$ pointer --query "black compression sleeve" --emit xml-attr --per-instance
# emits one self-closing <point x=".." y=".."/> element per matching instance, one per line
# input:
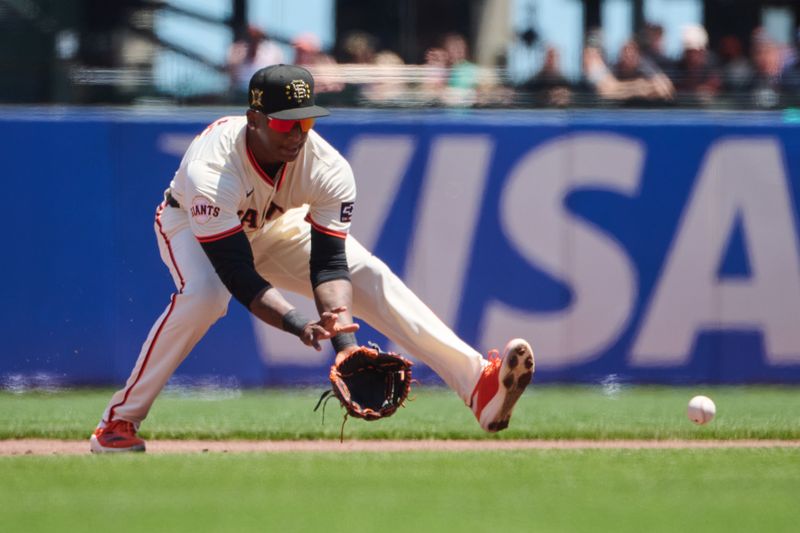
<point x="328" y="258"/>
<point x="232" y="259"/>
<point x="342" y="341"/>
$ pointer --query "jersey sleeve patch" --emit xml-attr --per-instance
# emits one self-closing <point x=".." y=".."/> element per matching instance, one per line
<point x="346" y="214"/>
<point x="202" y="210"/>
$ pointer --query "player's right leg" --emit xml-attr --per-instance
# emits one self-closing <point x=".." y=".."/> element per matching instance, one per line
<point x="201" y="299"/>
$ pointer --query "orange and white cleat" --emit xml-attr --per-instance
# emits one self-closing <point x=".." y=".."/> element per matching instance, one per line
<point x="117" y="436"/>
<point x="501" y="383"/>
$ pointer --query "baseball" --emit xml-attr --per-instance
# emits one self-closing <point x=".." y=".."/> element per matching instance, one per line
<point x="701" y="410"/>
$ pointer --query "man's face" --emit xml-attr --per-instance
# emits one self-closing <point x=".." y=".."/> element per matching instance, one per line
<point x="629" y="56"/>
<point x="695" y="57"/>
<point x="277" y="145"/>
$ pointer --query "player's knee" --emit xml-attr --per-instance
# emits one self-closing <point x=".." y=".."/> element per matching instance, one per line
<point x="208" y="294"/>
<point x="370" y="267"/>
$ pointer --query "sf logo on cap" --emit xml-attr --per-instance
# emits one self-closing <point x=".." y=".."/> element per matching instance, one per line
<point x="298" y="90"/>
<point x="255" y="97"/>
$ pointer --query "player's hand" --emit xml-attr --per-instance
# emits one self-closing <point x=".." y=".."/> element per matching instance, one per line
<point x="326" y="327"/>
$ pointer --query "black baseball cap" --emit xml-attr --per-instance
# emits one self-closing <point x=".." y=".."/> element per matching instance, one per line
<point x="284" y="92"/>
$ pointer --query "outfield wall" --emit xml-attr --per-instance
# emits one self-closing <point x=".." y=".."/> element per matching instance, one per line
<point x="629" y="247"/>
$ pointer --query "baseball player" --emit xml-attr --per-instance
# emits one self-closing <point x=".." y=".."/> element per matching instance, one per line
<point x="260" y="203"/>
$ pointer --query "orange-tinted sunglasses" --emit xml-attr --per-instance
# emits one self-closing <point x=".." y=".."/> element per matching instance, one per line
<point x="285" y="126"/>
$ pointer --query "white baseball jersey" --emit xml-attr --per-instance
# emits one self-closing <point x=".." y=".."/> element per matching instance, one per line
<point x="223" y="189"/>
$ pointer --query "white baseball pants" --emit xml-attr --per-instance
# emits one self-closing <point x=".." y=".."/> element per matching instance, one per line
<point x="281" y="252"/>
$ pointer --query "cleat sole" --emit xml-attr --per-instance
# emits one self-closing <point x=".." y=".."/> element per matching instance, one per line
<point x="517" y="377"/>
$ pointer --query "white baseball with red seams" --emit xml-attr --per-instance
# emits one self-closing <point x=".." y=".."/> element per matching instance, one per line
<point x="701" y="410"/>
<point x="222" y="190"/>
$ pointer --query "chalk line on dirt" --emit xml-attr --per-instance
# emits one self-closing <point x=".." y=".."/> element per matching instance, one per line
<point x="72" y="447"/>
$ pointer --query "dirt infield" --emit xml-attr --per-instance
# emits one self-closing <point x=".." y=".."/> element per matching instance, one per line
<point x="69" y="447"/>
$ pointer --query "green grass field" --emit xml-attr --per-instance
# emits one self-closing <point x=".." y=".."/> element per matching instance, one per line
<point x="543" y="412"/>
<point x="752" y="489"/>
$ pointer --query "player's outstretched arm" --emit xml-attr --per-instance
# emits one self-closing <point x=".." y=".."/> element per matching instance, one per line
<point x="330" y="280"/>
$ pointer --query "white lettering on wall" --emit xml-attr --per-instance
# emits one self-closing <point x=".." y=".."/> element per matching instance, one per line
<point x="592" y="263"/>
<point x="449" y="203"/>
<point x="741" y="178"/>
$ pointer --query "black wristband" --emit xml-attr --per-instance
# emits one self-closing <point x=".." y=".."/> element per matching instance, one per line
<point x="294" y="322"/>
<point x="342" y="341"/>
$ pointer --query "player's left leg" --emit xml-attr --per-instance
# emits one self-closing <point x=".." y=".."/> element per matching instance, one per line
<point x="491" y="388"/>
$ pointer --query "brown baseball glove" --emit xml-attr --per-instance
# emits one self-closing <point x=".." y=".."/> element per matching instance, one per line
<point x="370" y="383"/>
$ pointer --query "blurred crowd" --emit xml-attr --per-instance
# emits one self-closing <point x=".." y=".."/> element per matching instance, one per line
<point x="361" y="73"/>
<point x="760" y="73"/>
